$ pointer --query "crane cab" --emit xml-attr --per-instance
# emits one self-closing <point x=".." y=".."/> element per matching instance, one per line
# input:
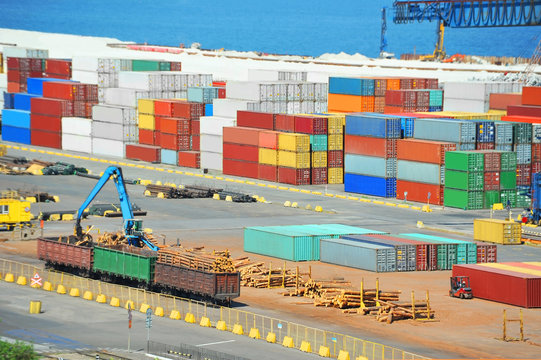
<point x="14" y="212"/>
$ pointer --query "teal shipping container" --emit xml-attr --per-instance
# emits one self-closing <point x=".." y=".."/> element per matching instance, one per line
<point x="466" y="250"/>
<point x="446" y="253"/>
<point x="138" y="266"/>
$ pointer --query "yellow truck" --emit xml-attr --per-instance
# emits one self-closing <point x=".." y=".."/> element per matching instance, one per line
<point x="14" y="213"/>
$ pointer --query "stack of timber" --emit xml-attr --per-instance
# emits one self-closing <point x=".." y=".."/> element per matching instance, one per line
<point x="171" y="192"/>
<point x="197" y="258"/>
<point x="259" y="275"/>
<point x="389" y="311"/>
<point x="118" y="239"/>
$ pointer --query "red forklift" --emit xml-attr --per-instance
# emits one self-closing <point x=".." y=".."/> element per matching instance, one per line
<point x="460" y="287"/>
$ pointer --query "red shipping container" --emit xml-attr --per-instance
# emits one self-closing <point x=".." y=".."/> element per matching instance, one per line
<point x="421" y="249"/>
<point x="83" y="108"/>
<point x="187" y="110"/>
<point x="427" y="256"/>
<point x="524" y="110"/>
<point x="142" y="152"/>
<point x="423" y="100"/>
<point x="55" y="107"/>
<point x="13" y="87"/>
<point x="379" y="104"/>
<point x="364" y="145"/>
<point x="531" y="95"/>
<point x="418" y="83"/>
<point x="406" y="99"/>
<point x="46" y="123"/>
<point x="522" y="119"/>
<point x="268" y="172"/>
<point x="221" y="93"/>
<point x="196" y="142"/>
<point x="293" y="176"/>
<point x="502" y="101"/>
<point x="147" y="137"/>
<point x="64" y="90"/>
<point x="311" y="125"/>
<point x="285" y="123"/>
<point x="432" y="83"/>
<point x="492" y="180"/>
<point x="56" y="76"/>
<point x="175" y="142"/>
<point x="14" y="76"/>
<point x="195" y="127"/>
<point x="485" y="146"/>
<point x="536" y="167"/>
<point x="406" y="83"/>
<point x="422" y="150"/>
<point x="241" y="135"/>
<point x="504" y="286"/>
<point x="380" y="86"/>
<point x="391" y="109"/>
<point x="319" y="176"/>
<point x="55" y="66"/>
<point x="176" y="66"/>
<point x="486" y="253"/>
<point x="536" y="152"/>
<point x="25" y="64"/>
<point x="163" y="108"/>
<point x="492" y="160"/>
<point x="524" y="174"/>
<point x="255" y="119"/>
<point x="419" y="192"/>
<point x="241" y="152"/>
<point x="191" y="159"/>
<point x="173" y="126"/>
<point x="268" y="139"/>
<point x="335" y="158"/>
<point x="46" y="138"/>
<point x="240" y="168"/>
<point x="219" y="83"/>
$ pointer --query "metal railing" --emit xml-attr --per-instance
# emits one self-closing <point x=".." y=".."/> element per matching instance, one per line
<point x="185" y="351"/>
<point x="265" y="325"/>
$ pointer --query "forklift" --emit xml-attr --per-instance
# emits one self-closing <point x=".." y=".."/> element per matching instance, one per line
<point x="460" y="287"/>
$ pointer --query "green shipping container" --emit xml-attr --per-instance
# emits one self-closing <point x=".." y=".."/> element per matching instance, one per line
<point x="508" y="180"/>
<point x="522" y="199"/>
<point x="461" y="199"/>
<point x="509" y="195"/>
<point x="508" y="161"/>
<point x="491" y="198"/>
<point x="522" y="133"/>
<point x="446" y="253"/>
<point x="146" y="65"/>
<point x="318" y="142"/>
<point x="466" y="250"/>
<point x="124" y="264"/>
<point x="464" y="180"/>
<point x="165" y="66"/>
<point x="464" y="161"/>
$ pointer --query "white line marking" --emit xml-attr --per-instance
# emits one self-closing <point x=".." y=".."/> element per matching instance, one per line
<point x="216" y="343"/>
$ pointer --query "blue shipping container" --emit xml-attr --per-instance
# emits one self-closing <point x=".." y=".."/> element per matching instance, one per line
<point x="8" y="100"/>
<point x="351" y="86"/>
<point x="35" y="85"/>
<point x="208" y="110"/>
<point x="21" y="101"/>
<point x="203" y="95"/>
<point x="486" y="131"/>
<point x="375" y="126"/>
<point x="370" y="185"/>
<point x="406" y="123"/>
<point x="16" y="118"/>
<point x="15" y="134"/>
<point x="169" y="157"/>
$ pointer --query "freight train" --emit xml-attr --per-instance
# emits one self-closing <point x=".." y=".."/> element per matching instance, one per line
<point x="128" y="265"/>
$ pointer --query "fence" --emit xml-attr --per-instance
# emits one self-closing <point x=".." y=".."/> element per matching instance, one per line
<point x="184" y="351"/>
<point x="265" y="325"/>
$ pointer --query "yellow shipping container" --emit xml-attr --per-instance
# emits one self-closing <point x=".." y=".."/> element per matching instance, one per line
<point x="147" y="122"/>
<point x="268" y="156"/>
<point x="299" y="160"/>
<point x="497" y="231"/>
<point x="512" y="268"/>
<point x="335" y="175"/>
<point x="294" y="142"/>
<point x="335" y="124"/>
<point x="335" y="142"/>
<point x="319" y="159"/>
<point x="145" y="106"/>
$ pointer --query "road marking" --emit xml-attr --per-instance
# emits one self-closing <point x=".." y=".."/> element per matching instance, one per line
<point x="215" y="343"/>
<point x="294" y="190"/>
<point x="353" y="198"/>
<point x="282" y="188"/>
<point x="317" y="193"/>
<point x="329" y="195"/>
<point x="304" y="191"/>
<point x="209" y="177"/>
<point x="261" y="184"/>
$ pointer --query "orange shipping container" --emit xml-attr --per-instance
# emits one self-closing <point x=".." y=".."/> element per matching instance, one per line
<point x="502" y="101"/>
<point x="364" y="145"/>
<point x="351" y="103"/>
<point x="268" y="139"/>
<point x="241" y="135"/>
<point x="522" y="119"/>
<point x="423" y="150"/>
<point x="419" y="192"/>
<point x="531" y="95"/>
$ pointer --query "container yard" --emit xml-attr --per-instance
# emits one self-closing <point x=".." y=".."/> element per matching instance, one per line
<point x="363" y="188"/>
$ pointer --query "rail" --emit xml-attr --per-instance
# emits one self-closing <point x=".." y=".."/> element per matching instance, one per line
<point x="167" y="305"/>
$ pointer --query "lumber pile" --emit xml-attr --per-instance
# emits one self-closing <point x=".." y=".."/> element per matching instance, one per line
<point x="259" y="275"/>
<point x="181" y="192"/>
<point x="197" y="258"/>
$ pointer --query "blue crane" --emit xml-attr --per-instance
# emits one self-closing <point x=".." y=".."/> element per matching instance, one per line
<point x="133" y="228"/>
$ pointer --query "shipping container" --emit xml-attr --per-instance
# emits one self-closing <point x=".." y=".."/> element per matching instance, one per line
<point x="53" y="251"/>
<point x="174" y="126"/>
<point x="420" y="172"/>
<point x="268" y="139"/>
<point x="191" y="159"/>
<point x="445" y="253"/>
<point x="351" y="86"/>
<point x="335" y="175"/>
<point x="203" y="95"/>
<point x="486" y="253"/>
<point x="169" y="157"/>
<point x="502" y="285"/>
<point x="78" y="143"/>
<point x="46" y="138"/>
<point x="502" y="101"/>
<point x="464" y="161"/>
<point x="54" y="107"/>
<point x="293" y="159"/>
<point x="371" y="146"/>
<point x="285" y="123"/>
<point x="462" y="199"/>
<point x="281" y="242"/>
<point x="135" y="265"/>
<point x="374" y="126"/>
<point x="350" y="103"/>
<point x="497" y="231"/>
<point x="294" y="142"/>
<point x="241" y="135"/>
<point x="16" y="118"/>
<point x="16" y="134"/>
<point x="448" y="130"/>
<point x="120" y="132"/>
<point x="466" y="250"/>
<point x="364" y="256"/>
<point x="146" y="106"/>
<point x="419" y="192"/>
<point x="464" y="180"/>
<point x="267" y="172"/>
<point x="21" y="101"/>
<point x="370" y="185"/>
<point x="241" y="152"/>
<point x="240" y="168"/>
<point x="311" y="125"/>
<point x="142" y="152"/>
<point x="370" y="165"/>
<point x="423" y="150"/>
<point x="293" y="176"/>
<point x="531" y="95"/>
<point x="252" y="119"/>
<point x="175" y="142"/>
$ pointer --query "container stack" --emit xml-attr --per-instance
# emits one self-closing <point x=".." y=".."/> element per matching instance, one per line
<point x="335" y="149"/>
<point x="268" y="155"/>
<point x="421" y="170"/>
<point x="461" y="132"/>
<point x="19" y="69"/>
<point x="57" y="69"/>
<point x="211" y="128"/>
<point x="294" y="159"/>
<point x="77" y="134"/>
<point x="241" y="151"/>
<point x="370" y="154"/>
<point x="474" y="96"/>
<point x="105" y="140"/>
<point x="316" y="127"/>
<point x="464" y="180"/>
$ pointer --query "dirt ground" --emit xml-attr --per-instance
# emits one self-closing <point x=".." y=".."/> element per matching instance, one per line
<point x="463" y="328"/>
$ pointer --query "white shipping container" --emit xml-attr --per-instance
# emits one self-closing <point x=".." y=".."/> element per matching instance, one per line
<point x="23" y="52"/>
<point x="467" y="105"/>
<point x="3" y="82"/>
<point x="84" y="63"/>
<point x="293" y="107"/>
<point x="108" y="147"/>
<point x="114" y="65"/>
<point x="114" y="114"/>
<point x="211" y="143"/>
<point x="108" y="80"/>
<point x="213" y="125"/>
<point x="318" y="77"/>
<point x="114" y="131"/>
<point x="125" y="97"/>
<point x="262" y="75"/>
<point x="228" y="107"/>
<point x="76" y="126"/>
<point x="307" y="107"/>
<point x="87" y="77"/>
<point x="245" y="90"/>
<point x="293" y="92"/>
<point x="150" y="81"/>
<point x="254" y="106"/>
<point x="212" y="161"/>
<point x="79" y="143"/>
<point x="321" y="91"/>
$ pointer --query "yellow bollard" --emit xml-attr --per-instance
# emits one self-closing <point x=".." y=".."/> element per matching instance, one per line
<point x="216" y="197"/>
<point x="288" y="342"/>
<point x="271" y="337"/>
<point x="175" y="315"/>
<point x="61" y="289"/>
<point x="343" y="355"/>
<point x="147" y="193"/>
<point x="144" y="308"/>
<point x="74" y="292"/>
<point x="361" y="358"/>
<point x="228" y="198"/>
<point x="159" y="311"/>
<point x="205" y="322"/>
<point x="47" y="286"/>
<point x="306" y="347"/>
<point x="35" y="307"/>
<point x="21" y="280"/>
<point x="88" y="295"/>
<point x="102" y="299"/>
<point x="189" y="318"/>
<point x="237" y="329"/>
<point x="287" y="204"/>
<point x="254" y="333"/>
<point x="115" y="302"/>
<point x="160" y="195"/>
<point x="220" y="325"/>
<point x="324" y="351"/>
<point x="309" y="207"/>
<point x="318" y="209"/>
<point x="294" y="205"/>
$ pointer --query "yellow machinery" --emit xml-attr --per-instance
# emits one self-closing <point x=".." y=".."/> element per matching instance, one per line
<point x="439" y="51"/>
<point x="3" y="150"/>
<point x="14" y="212"/>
